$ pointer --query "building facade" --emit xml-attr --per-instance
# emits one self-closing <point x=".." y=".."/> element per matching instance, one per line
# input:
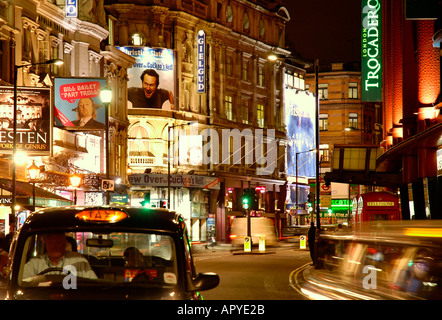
<point x="31" y="33"/>
<point x="226" y="92"/>
<point x="221" y="130"/>
<point x="411" y="62"/>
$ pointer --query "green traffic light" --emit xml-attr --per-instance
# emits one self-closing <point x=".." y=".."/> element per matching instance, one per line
<point x="245" y="203"/>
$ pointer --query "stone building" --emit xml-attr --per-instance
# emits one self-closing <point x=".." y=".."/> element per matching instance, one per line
<point x="223" y="81"/>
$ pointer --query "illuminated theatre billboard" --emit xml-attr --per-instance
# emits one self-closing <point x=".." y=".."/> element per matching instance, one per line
<point x="151" y="83"/>
<point x="371" y="52"/>
<point x="300" y="121"/>
<point x="77" y="103"/>
<point x="33" y="120"/>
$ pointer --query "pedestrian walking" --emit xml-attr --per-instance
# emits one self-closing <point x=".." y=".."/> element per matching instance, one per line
<point x="311" y="240"/>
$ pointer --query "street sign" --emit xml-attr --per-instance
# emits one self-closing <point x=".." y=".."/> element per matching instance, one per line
<point x="302" y="242"/>
<point x="247" y="244"/>
<point x="107" y="185"/>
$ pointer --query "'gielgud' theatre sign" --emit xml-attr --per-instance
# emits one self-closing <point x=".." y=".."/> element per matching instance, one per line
<point x="371" y="53"/>
<point x="33" y="120"/>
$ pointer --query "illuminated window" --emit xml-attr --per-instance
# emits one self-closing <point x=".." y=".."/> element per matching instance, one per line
<point x="353" y="120"/>
<point x="323" y="122"/>
<point x="324" y="153"/>
<point x="260" y="115"/>
<point x="323" y="91"/>
<point x="289" y="80"/>
<point x="352" y="90"/>
<point x="228" y="104"/>
<point x="245" y="71"/>
<point x="137" y="39"/>
<point x="296" y="81"/>
<point x="301" y="83"/>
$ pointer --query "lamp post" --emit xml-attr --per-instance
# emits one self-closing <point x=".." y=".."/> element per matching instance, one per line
<point x="318" y="213"/>
<point x="75" y="183"/>
<point x="169" y="128"/>
<point x="34" y="172"/>
<point x="14" y="125"/>
<point x="106" y="98"/>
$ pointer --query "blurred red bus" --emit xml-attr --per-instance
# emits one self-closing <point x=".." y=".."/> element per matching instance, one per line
<point x="375" y="206"/>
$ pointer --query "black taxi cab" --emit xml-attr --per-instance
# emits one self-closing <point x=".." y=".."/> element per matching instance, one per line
<point x="101" y="253"/>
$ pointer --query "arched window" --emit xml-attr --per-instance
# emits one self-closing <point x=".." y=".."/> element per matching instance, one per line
<point x="246" y="22"/>
<point x="229" y="14"/>
<point x="137" y="39"/>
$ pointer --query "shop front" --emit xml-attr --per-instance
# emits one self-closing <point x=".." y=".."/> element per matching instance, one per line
<point x="192" y="196"/>
<point x="268" y="198"/>
<point x="26" y="194"/>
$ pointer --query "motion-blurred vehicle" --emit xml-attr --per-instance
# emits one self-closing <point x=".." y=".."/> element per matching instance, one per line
<point x="134" y="253"/>
<point x="261" y="227"/>
<point x="392" y="260"/>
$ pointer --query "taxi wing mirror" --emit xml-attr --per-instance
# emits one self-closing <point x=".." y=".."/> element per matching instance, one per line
<point x="204" y="281"/>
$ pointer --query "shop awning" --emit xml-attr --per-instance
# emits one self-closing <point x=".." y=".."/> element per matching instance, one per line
<point x="43" y="197"/>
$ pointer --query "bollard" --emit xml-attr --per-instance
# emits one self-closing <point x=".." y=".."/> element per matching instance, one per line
<point x="262" y="243"/>
<point x="302" y="242"/>
<point x="247" y="244"/>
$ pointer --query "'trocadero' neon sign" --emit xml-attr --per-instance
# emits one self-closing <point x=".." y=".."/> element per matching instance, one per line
<point x="371" y="53"/>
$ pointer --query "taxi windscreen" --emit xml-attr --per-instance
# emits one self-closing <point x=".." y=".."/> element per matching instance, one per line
<point x="118" y="258"/>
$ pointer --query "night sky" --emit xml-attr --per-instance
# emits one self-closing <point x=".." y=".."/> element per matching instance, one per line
<point x="325" y="29"/>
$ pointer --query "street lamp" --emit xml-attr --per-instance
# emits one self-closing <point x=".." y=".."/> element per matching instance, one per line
<point x="34" y="172"/>
<point x="171" y="128"/>
<point x="57" y="62"/>
<point x="75" y="183"/>
<point x="106" y="98"/>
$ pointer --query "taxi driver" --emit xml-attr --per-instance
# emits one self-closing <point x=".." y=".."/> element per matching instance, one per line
<point x="57" y="256"/>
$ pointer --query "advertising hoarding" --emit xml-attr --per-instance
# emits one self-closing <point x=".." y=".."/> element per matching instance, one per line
<point x="157" y="88"/>
<point x="77" y="103"/>
<point x="33" y="120"/>
<point x="300" y="121"/>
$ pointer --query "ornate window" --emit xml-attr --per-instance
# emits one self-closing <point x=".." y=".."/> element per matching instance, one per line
<point x="246" y="22"/>
<point x="229" y="14"/>
<point x="137" y="39"/>
<point x="262" y="28"/>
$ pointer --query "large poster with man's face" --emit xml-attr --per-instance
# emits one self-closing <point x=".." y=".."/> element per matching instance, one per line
<point x="77" y="103"/>
<point x="33" y="120"/>
<point x="151" y="83"/>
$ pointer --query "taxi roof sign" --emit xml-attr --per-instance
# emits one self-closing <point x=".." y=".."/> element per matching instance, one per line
<point x="101" y="215"/>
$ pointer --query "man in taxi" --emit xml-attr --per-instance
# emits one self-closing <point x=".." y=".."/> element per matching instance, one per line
<point x="57" y="256"/>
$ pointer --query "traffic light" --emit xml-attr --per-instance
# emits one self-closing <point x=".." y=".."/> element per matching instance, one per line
<point x="246" y="199"/>
<point x="311" y="198"/>
<point x="146" y="201"/>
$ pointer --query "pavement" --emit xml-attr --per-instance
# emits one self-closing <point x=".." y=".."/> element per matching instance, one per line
<point x="200" y="247"/>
